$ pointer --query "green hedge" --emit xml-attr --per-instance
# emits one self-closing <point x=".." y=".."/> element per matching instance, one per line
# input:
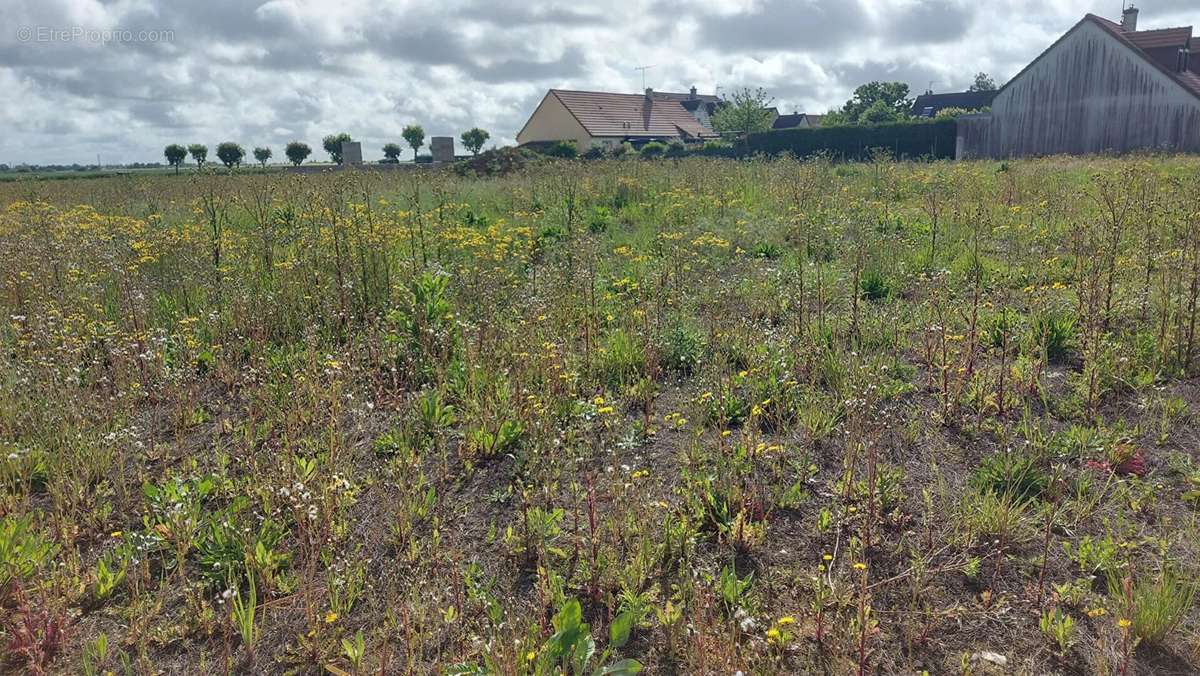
<point x="933" y="139"/>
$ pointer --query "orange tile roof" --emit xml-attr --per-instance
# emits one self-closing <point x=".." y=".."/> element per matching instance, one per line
<point x="1163" y="37"/>
<point x="632" y="115"/>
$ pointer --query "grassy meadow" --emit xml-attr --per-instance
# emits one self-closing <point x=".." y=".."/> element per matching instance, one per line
<point x="679" y="417"/>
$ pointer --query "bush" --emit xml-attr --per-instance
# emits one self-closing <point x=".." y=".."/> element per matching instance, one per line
<point x="676" y="149"/>
<point x="715" y="149"/>
<point x="565" y="149"/>
<point x="653" y="150"/>
<point x="934" y="139"/>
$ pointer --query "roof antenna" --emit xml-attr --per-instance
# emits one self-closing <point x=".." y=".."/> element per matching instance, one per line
<point x="644" y="69"/>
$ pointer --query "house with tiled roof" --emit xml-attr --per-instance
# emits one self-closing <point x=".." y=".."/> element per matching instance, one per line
<point x="607" y="119"/>
<point x="1103" y="87"/>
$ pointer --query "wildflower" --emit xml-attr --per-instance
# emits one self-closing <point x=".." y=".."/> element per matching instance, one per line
<point x="530" y="656"/>
<point x="603" y="410"/>
<point x="860" y="566"/>
<point x="1124" y="623"/>
<point x="827" y="557"/>
<point x="331" y="617"/>
<point x="786" y="620"/>
<point x="116" y="533"/>
<point x="773" y="634"/>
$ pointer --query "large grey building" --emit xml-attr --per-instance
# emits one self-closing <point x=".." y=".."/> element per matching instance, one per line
<point x="1102" y="87"/>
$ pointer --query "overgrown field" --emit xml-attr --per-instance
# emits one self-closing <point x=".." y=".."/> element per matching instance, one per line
<point x="686" y="417"/>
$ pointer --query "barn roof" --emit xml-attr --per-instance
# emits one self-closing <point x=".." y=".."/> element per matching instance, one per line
<point x="655" y="114"/>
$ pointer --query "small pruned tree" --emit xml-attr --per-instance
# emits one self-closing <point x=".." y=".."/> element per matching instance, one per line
<point x="262" y="155"/>
<point x="175" y="155"/>
<point x="391" y="151"/>
<point x="474" y="138"/>
<point x="230" y="154"/>
<point x="746" y="112"/>
<point x="199" y="153"/>
<point x="415" y="136"/>
<point x="297" y="152"/>
<point x="333" y="145"/>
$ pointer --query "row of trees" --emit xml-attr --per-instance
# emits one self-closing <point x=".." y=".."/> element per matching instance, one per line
<point x="231" y="154"/>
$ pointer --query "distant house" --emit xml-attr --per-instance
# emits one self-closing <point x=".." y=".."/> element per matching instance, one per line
<point x="797" y="121"/>
<point x="928" y="105"/>
<point x="606" y="119"/>
<point x="1102" y="87"/>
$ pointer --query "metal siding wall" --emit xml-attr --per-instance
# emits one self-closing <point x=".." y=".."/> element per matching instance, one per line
<point x="1088" y="94"/>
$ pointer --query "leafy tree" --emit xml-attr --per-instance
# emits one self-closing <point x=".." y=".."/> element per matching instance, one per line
<point x="473" y="139"/>
<point x="392" y="152"/>
<point x="297" y="152"/>
<point x="262" y="155"/>
<point x="175" y="155"/>
<point x="415" y="136"/>
<point x="333" y="145"/>
<point x="879" y="112"/>
<point x="744" y="113"/>
<point x="894" y="95"/>
<point x="983" y="83"/>
<point x="199" y="153"/>
<point x="230" y="154"/>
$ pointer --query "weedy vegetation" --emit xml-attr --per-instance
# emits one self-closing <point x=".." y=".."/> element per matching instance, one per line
<point x="688" y="415"/>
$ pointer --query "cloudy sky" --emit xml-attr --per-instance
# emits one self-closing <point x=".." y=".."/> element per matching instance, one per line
<point x="122" y="78"/>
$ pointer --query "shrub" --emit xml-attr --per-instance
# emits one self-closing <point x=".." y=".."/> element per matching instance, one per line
<point x="565" y="149"/>
<point x="653" y="150"/>
<point x="715" y="149"/>
<point x="676" y="149"/>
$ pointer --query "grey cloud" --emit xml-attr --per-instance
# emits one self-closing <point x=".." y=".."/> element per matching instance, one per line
<point x="788" y="25"/>
<point x="569" y="65"/>
<point x="928" y="22"/>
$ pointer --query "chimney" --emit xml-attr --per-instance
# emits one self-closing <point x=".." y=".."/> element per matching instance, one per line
<point x="649" y="92"/>
<point x="692" y="93"/>
<point x="1185" y="58"/>
<point x="1129" y="19"/>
